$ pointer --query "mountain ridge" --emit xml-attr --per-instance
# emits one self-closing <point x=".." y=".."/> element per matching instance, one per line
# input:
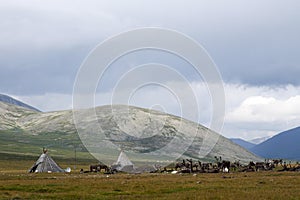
<point x="284" y="145"/>
<point x="8" y="99"/>
<point x="257" y="141"/>
<point x="246" y="144"/>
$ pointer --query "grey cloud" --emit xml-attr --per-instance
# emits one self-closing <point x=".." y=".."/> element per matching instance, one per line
<point x="40" y="72"/>
<point x="42" y="45"/>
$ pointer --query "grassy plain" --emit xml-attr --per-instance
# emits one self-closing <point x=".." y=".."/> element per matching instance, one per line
<point x="16" y="183"/>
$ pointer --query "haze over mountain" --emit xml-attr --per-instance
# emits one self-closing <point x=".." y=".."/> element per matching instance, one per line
<point x="259" y="140"/>
<point x="25" y="125"/>
<point x="8" y="99"/>
<point x="285" y="145"/>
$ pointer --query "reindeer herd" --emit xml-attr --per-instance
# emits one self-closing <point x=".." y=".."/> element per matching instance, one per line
<point x="192" y="166"/>
<point x="188" y="166"/>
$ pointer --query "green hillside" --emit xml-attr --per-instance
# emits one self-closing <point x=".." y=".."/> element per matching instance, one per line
<point x="25" y="132"/>
<point x="17" y="144"/>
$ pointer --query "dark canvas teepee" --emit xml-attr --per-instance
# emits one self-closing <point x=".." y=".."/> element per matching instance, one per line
<point x="45" y="164"/>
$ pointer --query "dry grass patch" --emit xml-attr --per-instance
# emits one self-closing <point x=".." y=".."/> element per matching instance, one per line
<point x="17" y="183"/>
<point x="265" y="185"/>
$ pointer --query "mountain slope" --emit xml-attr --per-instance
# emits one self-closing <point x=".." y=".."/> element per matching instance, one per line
<point x="130" y="129"/>
<point x="10" y="100"/>
<point x="284" y="145"/>
<point x="259" y="140"/>
<point x="10" y="114"/>
<point x="247" y="145"/>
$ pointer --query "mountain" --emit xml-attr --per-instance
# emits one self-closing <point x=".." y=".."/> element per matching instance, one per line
<point x="284" y="145"/>
<point x="259" y="140"/>
<point x="10" y="114"/>
<point x="10" y="100"/>
<point x="243" y="143"/>
<point x="128" y="128"/>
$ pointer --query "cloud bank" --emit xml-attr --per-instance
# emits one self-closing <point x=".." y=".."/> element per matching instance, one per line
<point x="251" y="111"/>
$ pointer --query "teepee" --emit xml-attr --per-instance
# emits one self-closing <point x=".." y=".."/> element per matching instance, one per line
<point x="45" y="164"/>
<point x="123" y="164"/>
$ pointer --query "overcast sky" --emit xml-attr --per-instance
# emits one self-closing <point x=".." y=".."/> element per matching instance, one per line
<point x="255" y="45"/>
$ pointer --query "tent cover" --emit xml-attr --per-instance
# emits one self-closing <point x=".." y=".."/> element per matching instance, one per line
<point x="123" y="164"/>
<point x="45" y="164"/>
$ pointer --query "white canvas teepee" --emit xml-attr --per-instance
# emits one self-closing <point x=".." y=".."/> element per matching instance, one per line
<point x="123" y="164"/>
<point x="45" y="164"/>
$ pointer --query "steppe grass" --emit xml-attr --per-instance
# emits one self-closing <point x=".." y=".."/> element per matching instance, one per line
<point x="16" y="183"/>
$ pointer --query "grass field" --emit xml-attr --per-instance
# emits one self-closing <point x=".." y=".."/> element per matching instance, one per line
<point x="16" y="183"/>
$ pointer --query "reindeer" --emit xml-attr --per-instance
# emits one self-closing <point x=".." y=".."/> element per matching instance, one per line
<point x="277" y="161"/>
<point x="200" y="167"/>
<point x="97" y="168"/>
<point x="180" y="165"/>
<point x="218" y="159"/>
<point x="260" y="166"/>
<point x="205" y="167"/>
<point x="193" y="165"/>
<point x="224" y="166"/>
<point x="248" y="168"/>
<point x="236" y="165"/>
<point x="270" y="166"/>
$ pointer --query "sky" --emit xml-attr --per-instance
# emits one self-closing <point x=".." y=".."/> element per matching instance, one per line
<point x="255" y="45"/>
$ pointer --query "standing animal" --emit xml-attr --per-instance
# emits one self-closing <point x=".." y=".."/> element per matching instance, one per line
<point x="277" y="161"/>
<point x="260" y="166"/>
<point x="205" y="167"/>
<point x="224" y="166"/>
<point x="235" y="166"/>
<point x="192" y="165"/>
<point x="97" y="168"/>
<point x="179" y="165"/>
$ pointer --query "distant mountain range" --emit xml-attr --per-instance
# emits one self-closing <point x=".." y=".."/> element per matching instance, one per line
<point x="24" y="130"/>
<point x="283" y="145"/>
<point x="10" y="100"/>
<point x="243" y="143"/>
<point x="259" y="140"/>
